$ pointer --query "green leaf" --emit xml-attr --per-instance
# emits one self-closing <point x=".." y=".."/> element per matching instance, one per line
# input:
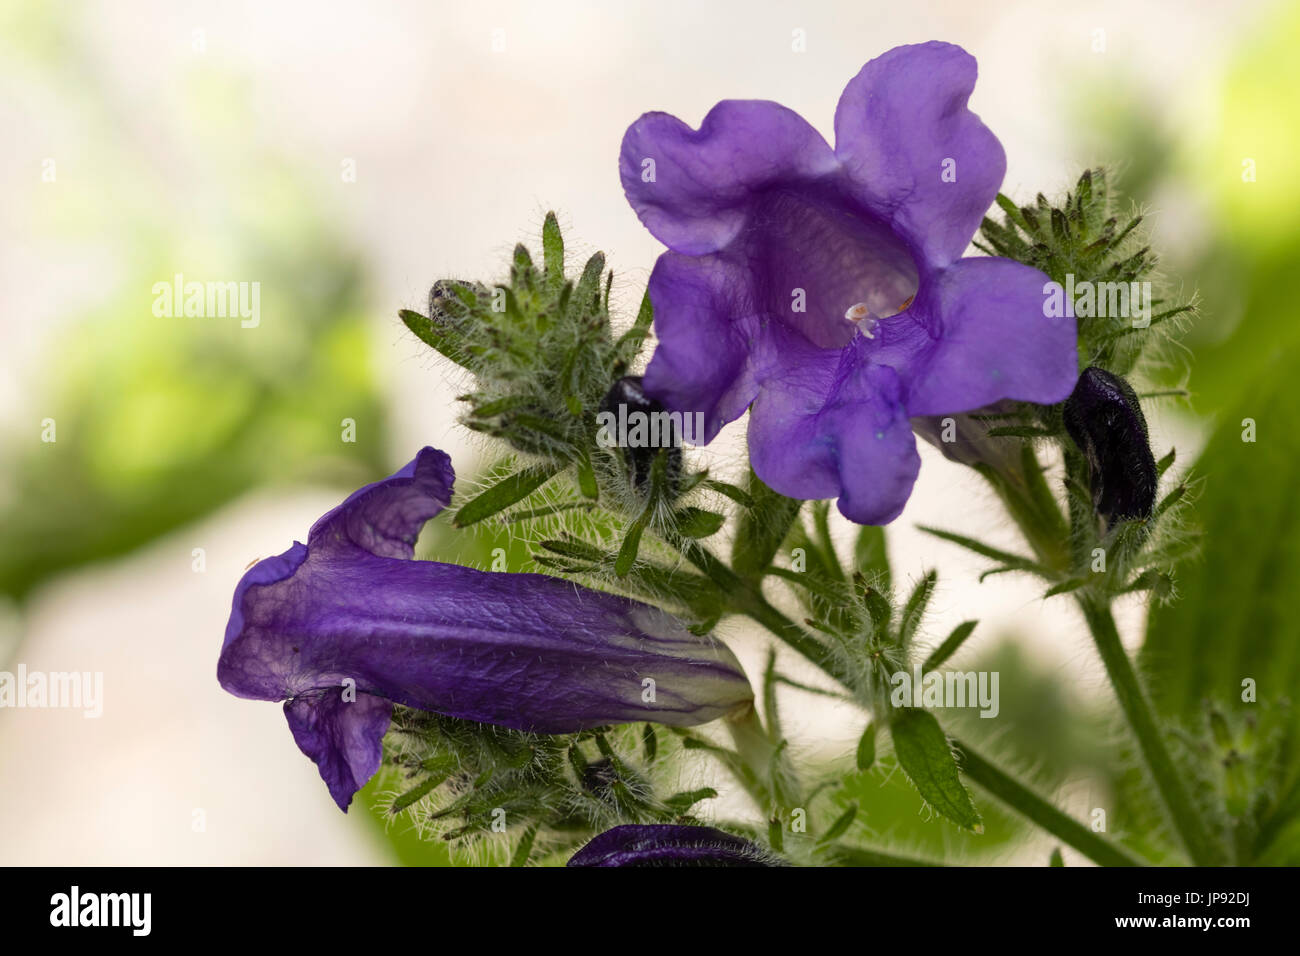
<point x="949" y="647"/>
<point x="553" y="252"/>
<point x="841" y="824"/>
<point x="423" y="788"/>
<point x="761" y="529"/>
<point x="738" y="495"/>
<point x="698" y="523"/>
<point x="914" y="610"/>
<point x="821" y="512"/>
<point x="1012" y="561"/>
<point x="629" y="343"/>
<point x="866" y="755"/>
<point x="1065" y="587"/>
<point x="924" y="754"/>
<point x="1236" y="617"/>
<point x="585" y="296"/>
<point x="628" y="549"/>
<point x="679" y="803"/>
<point x="435" y="335"/>
<point x="506" y="492"/>
<point x="870" y="556"/>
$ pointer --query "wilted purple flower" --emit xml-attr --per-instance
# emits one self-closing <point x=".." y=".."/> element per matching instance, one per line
<point x="347" y="625"/>
<point x="825" y="286"/>
<point x="669" y="845"/>
<point x="1104" y="417"/>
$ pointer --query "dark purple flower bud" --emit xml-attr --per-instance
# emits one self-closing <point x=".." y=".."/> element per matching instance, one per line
<point x="670" y="845"/>
<point x="1105" y="419"/>
<point x="625" y="401"/>
<point x="347" y="625"/>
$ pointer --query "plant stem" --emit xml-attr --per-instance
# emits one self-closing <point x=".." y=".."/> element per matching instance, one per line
<point x="747" y="599"/>
<point x="858" y="856"/>
<point x="1035" y="512"/>
<point x="1186" y="818"/>
<point x="1029" y="501"/>
<point x="1040" y="811"/>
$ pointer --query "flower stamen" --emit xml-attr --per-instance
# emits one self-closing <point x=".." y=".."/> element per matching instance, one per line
<point x="861" y="316"/>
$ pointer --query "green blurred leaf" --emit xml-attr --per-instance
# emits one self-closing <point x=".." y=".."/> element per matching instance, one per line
<point x="1235" y="618"/>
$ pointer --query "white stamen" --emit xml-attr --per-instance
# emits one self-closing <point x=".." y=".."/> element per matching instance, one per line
<point x="860" y="315"/>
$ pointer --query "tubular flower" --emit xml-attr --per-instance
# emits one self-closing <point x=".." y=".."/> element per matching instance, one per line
<point x="823" y="288"/>
<point x="343" y="627"/>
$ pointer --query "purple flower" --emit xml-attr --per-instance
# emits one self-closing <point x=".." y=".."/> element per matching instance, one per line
<point x="826" y="286"/>
<point x="347" y="625"/>
<point x="669" y="845"/>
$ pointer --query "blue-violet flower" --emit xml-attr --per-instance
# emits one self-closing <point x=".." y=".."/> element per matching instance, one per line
<point x="347" y="625"/>
<point x="825" y="287"/>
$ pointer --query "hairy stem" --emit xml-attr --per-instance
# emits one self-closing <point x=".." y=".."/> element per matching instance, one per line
<point x="747" y="599"/>
<point x="1187" y="820"/>
<point x="1040" y="811"/>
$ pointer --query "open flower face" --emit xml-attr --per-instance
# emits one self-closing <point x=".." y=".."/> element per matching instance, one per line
<point x="343" y="627"/>
<point x="823" y="288"/>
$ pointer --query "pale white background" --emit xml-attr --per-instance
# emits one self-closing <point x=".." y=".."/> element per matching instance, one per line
<point x="460" y="150"/>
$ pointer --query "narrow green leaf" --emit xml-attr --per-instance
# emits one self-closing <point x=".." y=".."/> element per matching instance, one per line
<point x="585" y="296"/>
<point x="915" y="607"/>
<point x="506" y="492"/>
<point x="628" y="550"/>
<point x="681" y="802"/>
<point x="841" y="824"/>
<point x="697" y="523"/>
<point x="650" y="741"/>
<point x="422" y="789"/>
<point x="1065" y="587"/>
<point x="870" y="556"/>
<point x="988" y="551"/>
<point x="553" y="252"/>
<point x="738" y="495"/>
<point x="950" y="645"/>
<point x="866" y="755"/>
<point x="524" y="848"/>
<point x="436" y="336"/>
<point x="629" y="343"/>
<point x="924" y="754"/>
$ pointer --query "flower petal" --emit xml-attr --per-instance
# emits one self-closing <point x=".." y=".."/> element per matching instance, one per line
<point x="991" y="340"/>
<point x="344" y="738"/>
<point x="691" y="188"/>
<point x="385" y="517"/>
<point x="669" y="845"/>
<point x="834" y="425"/>
<point x="706" y="326"/>
<point x="901" y="125"/>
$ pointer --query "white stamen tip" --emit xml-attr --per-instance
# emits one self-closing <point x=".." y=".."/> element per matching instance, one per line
<point x="860" y="315"/>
